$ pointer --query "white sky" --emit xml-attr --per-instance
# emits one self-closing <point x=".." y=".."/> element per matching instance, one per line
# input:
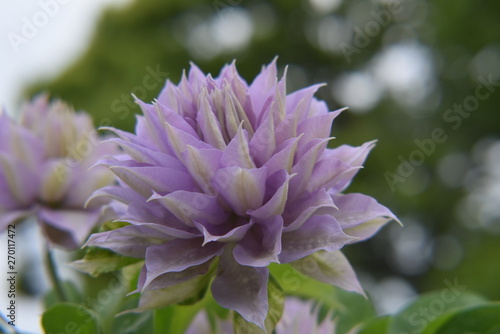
<point x="39" y="38"/>
<point x="53" y="34"/>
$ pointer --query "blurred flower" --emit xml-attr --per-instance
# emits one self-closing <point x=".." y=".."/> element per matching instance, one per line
<point x="298" y="317"/>
<point x="235" y="176"/>
<point x="43" y="171"/>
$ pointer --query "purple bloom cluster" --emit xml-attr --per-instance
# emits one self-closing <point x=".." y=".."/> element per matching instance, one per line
<point x="44" y="162"/>
<point x="222" y="173"/>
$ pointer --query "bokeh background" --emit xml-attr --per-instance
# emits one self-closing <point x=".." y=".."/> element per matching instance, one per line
<point x="422" y="77"/>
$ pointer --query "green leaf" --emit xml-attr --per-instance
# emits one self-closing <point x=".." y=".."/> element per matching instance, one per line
<point x="185" y="293"/>
<point x="353" y="310"/>
<point x="375" y="325"/>
<point x="297" y="284"/>
<point x="69" y="318"/>
<point x="131" y="323"/>
<point x="74" y="296"/>
<point x="331" y="268"/>
<point x="175" y="319"/>
<point x="98" y="261"/>
<point x="417" y="316"/>
<point x="276" y="305"/>
<point x="475" y="320"/>
<point x="338" y="301"/>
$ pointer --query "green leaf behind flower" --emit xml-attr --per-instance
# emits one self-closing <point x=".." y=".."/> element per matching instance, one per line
<point x="483" y="318"/>
<point x="70" y="318"/>
<point x="338" y="302"/>
<point x="99" y="261"/>
<point x="426" y="312"/>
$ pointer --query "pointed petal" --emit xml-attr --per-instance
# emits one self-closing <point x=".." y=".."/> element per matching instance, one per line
<point x="298" y="212"/>
<point x="261" y="244"/>
<point x="221" y="234"/>
<point x="242" y="288"/>
<point x="330" y="172"/>
<point x="263" y="143"/>
<point x="317" y="126"/>
<point x="190" y="206"/>
<point x="178" y="140"/>
<point x="143" y="154"/>
<point x="237" y="152"/>
<point x="130" y="240"/>
<point x="178" y="255"/>
<point x="202" y="165"/>
<point x="156" y="216"/>
<point x="361" y="216"/>
<point x="243" y="189"/>
<point x="299" y="102"/>
<point x="210" y="126"/>
<point x="122" y="194"/>
<point x="68" y="228"/>
<point x="318" y="233"/>
<point x="354" y="156"/>
<point x="283" y="157"/>
<point x="175" y="120"/>
<point x="148" y="179"/>
<point x="304" y="169"/>
<point x="262" y="85"/>
<point x="276" y="204"/>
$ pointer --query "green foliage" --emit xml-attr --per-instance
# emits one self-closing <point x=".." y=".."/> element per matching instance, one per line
<point x="417" y="316"/>
<point x="70" y="318"/>
<point x="483" y="318"/>
<point x="375" y="326"/>
<point x="339" y="302"/>
<point x="440" y="312"/>
<point x="71" y="292"/>
<point x="131" y="323"/>
<point x="98" y="261"/>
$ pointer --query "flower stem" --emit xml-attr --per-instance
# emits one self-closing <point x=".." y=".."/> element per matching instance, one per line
<point x="54" y="277"/>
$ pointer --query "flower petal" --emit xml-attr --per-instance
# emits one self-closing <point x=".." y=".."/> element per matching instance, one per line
<point x="130" y="240"/>
<point x="174" y="277"/>
<point x="178" y="255"/>
<point x="202" y="165"/>
<point x="243" y="189"/>
<point x="148" y="179"/>
<point x="319" y="232"/>
<point x="261" y="244"/>
<point x="12" y="217"/>
<point x="242" y="288"/>
<point x="276" y="204"/>
<point x="237" y="152"/>
<point x="298" y="212"/>
<point x="68" y="228"/>
<point x="190" y="206"/>
<point x="223" y="233"/>
<point x="361" y="216"/>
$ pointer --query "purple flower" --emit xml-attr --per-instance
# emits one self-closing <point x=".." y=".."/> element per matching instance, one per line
<point x="234" y="176"/>
<point x="43" y="171"/>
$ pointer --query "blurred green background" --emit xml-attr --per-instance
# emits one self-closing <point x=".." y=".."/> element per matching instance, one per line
<point x="422" y="77"/>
